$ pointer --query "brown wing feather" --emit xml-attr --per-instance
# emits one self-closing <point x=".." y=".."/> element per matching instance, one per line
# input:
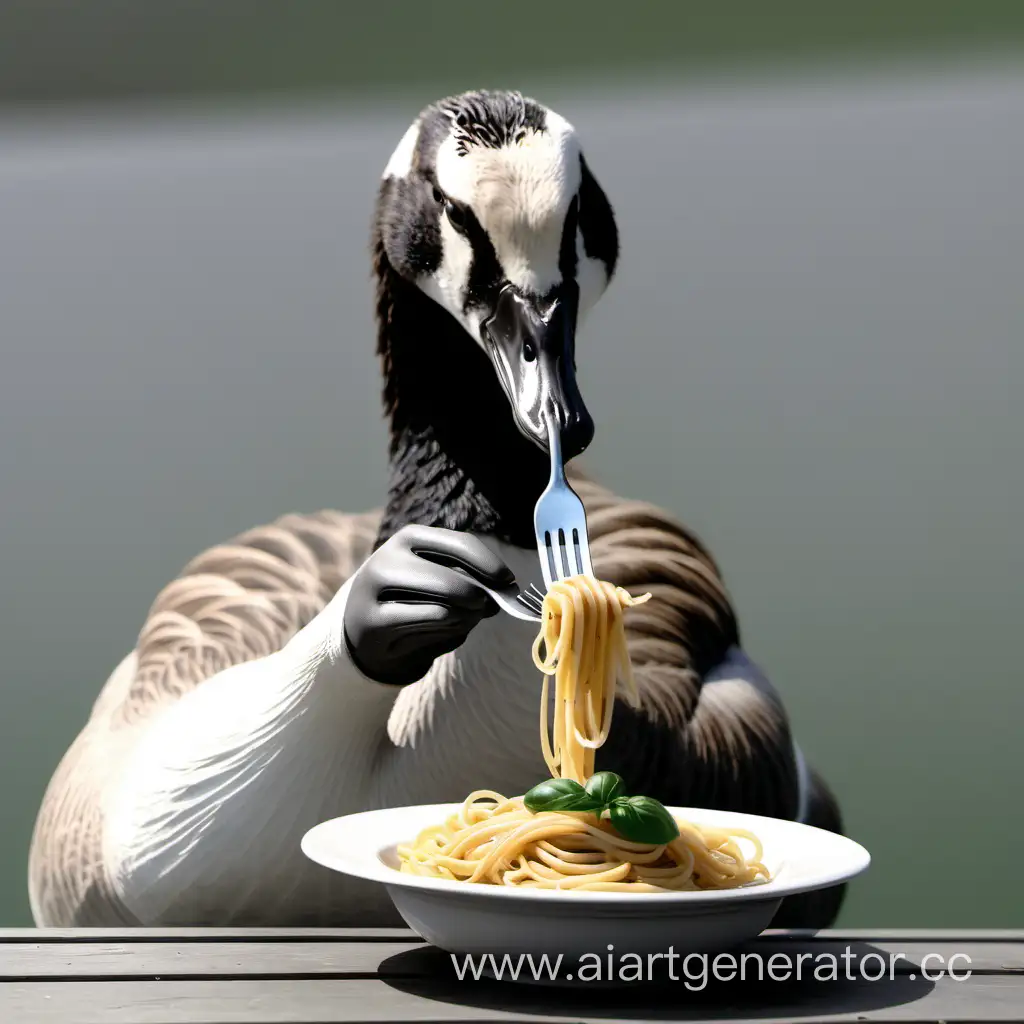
<point x="243" y="600"/>
<point x="233" y="603"/>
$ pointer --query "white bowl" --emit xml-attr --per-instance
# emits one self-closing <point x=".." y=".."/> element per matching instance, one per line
<point x="463" y="918"/>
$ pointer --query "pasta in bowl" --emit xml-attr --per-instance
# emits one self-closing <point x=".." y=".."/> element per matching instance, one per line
<point x="465" y="918"/>
<point x="577" y="863"/>
<point x="499" y="841"/>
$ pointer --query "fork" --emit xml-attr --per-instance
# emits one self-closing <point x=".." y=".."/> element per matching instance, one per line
<point x="560" y="523"/>
<point x="563" y="543"/>
<point x="526" y="605"/>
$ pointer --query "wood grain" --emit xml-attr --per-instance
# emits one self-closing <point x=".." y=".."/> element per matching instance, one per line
<point x="255" y="1001"/>
<point x="275" y="959"/>
<point x="275" y="976"/>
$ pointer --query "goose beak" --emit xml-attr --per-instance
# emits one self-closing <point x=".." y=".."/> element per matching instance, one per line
<point x="532" y="345"/>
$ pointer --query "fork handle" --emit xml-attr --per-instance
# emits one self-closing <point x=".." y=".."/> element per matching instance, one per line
<point x="555" y="446"/>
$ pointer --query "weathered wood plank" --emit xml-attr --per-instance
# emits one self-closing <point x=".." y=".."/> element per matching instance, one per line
<point x="209" y="959"/>
<point x="906" y="934"/>
<point x="120" y="960"/>
<point x="390" y="934"/>
<point x="995" y="998"/>
<point x="209" y="934"/>
<point x="289" y="975"/>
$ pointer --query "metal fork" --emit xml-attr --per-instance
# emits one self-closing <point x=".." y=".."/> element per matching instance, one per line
<point x="560" y="522"/>
<point x="525" y="605"/>
<point x="563" y="543"/>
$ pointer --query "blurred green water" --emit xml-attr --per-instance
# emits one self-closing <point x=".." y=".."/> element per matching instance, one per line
<point x="60" y="50"/>
<point x="811" y="353"/>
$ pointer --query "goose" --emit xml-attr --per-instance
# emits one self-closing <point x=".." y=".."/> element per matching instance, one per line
<point x="247" y="713"/>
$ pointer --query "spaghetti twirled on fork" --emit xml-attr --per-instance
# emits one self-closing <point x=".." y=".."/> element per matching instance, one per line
<point x="497" y="840"/>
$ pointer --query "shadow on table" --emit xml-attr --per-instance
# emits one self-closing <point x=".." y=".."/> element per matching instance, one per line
<point x="428" y="972"/>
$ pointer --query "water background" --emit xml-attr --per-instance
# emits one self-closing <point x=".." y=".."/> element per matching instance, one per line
<point x="812" y="353"/>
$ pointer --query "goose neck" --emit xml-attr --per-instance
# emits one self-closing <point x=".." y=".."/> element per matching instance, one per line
<point x="457" y="459"/>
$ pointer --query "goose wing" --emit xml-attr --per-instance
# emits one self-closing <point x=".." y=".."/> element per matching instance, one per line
<point x="233" y="603"/>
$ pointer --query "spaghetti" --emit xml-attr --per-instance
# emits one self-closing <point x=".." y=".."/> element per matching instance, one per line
<point x="497" y="840"/>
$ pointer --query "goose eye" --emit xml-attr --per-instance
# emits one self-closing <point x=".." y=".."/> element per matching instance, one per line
<point x="438" y="196"/>
<point x="456" y="215"/>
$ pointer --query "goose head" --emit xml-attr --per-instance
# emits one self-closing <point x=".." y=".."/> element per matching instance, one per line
<point x="487" y="208"/>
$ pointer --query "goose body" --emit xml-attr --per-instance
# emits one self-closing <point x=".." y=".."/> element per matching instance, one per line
<point x="241" y="719"/>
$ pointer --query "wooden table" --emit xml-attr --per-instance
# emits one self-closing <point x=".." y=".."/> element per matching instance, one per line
<point x="214" y="976"/>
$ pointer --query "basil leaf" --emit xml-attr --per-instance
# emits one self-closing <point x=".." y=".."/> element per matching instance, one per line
<point x="559" y="795"/>
<point x="643" y="819"/>
<point x="604" y="787"/>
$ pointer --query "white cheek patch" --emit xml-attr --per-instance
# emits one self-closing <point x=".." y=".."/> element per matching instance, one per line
<point x="401" y="160"/>
<point x="591" y="276"/>
<point x="448" y="285"/>
<point x="520" y="194"/>
<point x="457" y="259"/>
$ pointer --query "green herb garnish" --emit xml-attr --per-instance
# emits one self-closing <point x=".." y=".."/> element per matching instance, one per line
<point x="560" y="795"/>
<point x="641" y="819"/>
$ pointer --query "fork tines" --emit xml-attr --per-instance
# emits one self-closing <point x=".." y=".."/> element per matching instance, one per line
<point x="560" y="562"/>
<point x="532" y="599"/>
